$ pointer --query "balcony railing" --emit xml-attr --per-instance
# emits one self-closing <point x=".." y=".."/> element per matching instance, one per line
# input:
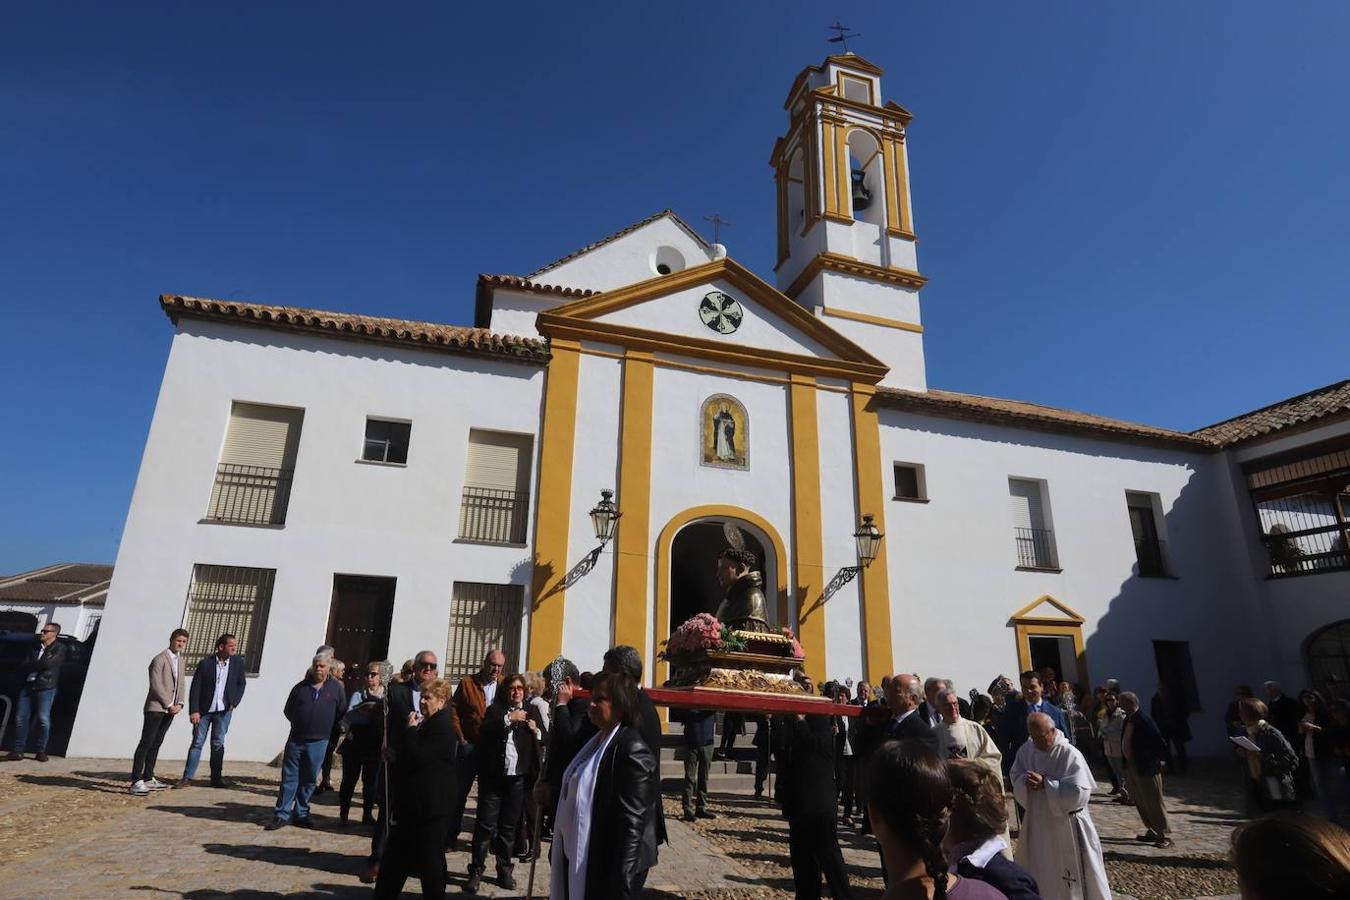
<point x="1152" y="556"/>
<point x="1035" y="548"/>
<point x="493" y="515"/>
<point x="1306" y="551"/>
<point x="250" y="495"/>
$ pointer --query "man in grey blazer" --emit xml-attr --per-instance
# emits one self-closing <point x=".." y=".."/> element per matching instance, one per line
<point x="162" y="703"/>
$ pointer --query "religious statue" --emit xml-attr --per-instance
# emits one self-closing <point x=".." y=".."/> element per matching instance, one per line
<point x="724" y="431"/>
<point x="743" y="606"/>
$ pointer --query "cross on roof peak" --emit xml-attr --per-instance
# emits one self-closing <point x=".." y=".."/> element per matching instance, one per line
<point x="717" y="223"/>
<point x="842" y="36"/>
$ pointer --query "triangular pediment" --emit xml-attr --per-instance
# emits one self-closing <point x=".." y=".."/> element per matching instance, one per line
<point x="1045" y="610"/>
<point x="721" y="308"/>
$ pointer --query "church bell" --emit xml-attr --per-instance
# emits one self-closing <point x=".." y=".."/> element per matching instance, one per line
<point x="862" y="197"/>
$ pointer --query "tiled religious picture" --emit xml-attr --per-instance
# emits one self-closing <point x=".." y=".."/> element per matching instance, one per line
<point x="726" y="433"/>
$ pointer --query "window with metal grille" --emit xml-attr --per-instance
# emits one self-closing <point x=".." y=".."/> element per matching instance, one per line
<point x="496" y="501"/>
<point x="483" y="617"/>
<point x="386" y="441"/>
<point x="1032" y="535"/>
<point x="1302" y="503"/>
<point x="253" y="478"/>
<point x="229" y="600"/>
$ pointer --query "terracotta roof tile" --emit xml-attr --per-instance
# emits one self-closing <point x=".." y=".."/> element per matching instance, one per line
<point x="1309" y="407"/>
<point x="618" y="234"/>
<point x="427" y="335"/>
<point x="525" y="284"/>
<point x="67" y="582"/>
<point x="1018" y="413"/>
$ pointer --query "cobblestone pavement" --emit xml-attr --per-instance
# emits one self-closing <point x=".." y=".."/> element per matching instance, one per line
<point x="69" y="829"/>
<point x="73" y="822"/>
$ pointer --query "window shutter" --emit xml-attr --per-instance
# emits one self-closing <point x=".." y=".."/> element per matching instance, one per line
<point x="498" y="461"/>
<point x="1026" y="504"/>
<point x="262" y="436"/>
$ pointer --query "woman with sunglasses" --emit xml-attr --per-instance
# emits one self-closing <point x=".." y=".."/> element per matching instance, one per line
<point x="604" y="839"/>
<point x="364" y="727"/>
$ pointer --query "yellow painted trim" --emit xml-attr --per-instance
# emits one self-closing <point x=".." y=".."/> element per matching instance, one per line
<point x="808" y="552"/>
<point x="632" y="546"/>
<point x="870" y="319"/>
<point x="839" y="217"/>
<point x="888" y="178"/>
<point x="663" y="548"/>
<point x="843" y="191"/>
<point x="739" y="277"/>
<point x="870" y="491"/>
<point x="782" y="195"/>
<point x="836" y="262"/>
<point x="554" y="509"/>
<point x="902" y="188"/>
<point x="1023" y="614"/>
<point x="828" y="167"/>
<point x="1024" y="632"/>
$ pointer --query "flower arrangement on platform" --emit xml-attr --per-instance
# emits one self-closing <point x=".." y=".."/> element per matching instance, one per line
<point x="702" y="632"/>
<point x="797" y="651"/>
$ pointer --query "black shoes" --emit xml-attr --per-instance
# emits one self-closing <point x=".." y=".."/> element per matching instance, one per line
<point x="687" y="817"/>
<point x="704" y="814"/>
<point x="474" y="883"/>
<point x="306" y="822"/>
<point x="505" y="879"/>
<point x="14" y="756"/>
<point x="275" y="824"/>
<point x="42" y="757"/>
<point x="220" y="783"/>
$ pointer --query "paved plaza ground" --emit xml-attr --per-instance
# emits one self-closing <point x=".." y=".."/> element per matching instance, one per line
<point x="69" y="829"/>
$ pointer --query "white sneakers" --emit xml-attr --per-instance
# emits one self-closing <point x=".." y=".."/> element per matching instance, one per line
<point x="155" y="784"/>
<point x="139" y="788"/>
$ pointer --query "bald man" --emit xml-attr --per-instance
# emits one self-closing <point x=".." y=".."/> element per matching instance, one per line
<point x="1058" y="843"/>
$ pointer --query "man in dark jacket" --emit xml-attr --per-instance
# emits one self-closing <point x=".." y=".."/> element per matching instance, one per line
<point x="1284" y="713"/>
<point x="217" y="688"/>
<point x="401" y="698"/>
<point x="1145" y="758"/>
<point x="40" y="671"/>
<point x="806" y="792"/>
<point x="699" y="725"/>
<point x="1170" y="715"/>
<point x="1013" y="729"/>
<point x="900" y="719"/>
<point x="312" y="707"/>
<point x="570" y="729"/>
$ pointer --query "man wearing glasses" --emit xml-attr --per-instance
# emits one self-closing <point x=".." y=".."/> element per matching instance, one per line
<point x="40" y="672"/>
<point x="402" y="699"/>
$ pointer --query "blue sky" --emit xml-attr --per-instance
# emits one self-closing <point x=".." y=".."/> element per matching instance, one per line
<point x="1138" y="210"/>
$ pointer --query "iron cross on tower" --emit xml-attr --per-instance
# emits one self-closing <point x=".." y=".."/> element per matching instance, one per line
<point x="717" y="223"/>
<point x="843" y="35"/>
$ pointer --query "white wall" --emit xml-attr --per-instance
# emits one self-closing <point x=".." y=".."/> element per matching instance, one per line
<point x="678" y="313"/>
<point x="838" y="520"/>
<point x="954" y="582"/>
<point x="628" y="259"/>
<point x="344" y="516"/>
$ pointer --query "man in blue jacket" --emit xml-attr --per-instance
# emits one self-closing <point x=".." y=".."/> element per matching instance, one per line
<point x="1013" y="728"/>
<point x="217" y="688"/>
<point x="312" y="707"/>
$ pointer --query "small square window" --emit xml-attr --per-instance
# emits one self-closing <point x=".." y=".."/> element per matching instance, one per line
<point x="386" y="441"/>
<point x="909" y="482"/>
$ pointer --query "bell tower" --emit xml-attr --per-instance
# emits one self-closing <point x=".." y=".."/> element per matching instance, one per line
<point x="846" y="244"/>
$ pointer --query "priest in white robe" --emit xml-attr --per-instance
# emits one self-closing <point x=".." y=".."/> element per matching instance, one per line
<point x="1058" y="844"/>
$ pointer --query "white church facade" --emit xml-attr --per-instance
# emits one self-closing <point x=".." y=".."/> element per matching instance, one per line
<point x="388" y="486"/>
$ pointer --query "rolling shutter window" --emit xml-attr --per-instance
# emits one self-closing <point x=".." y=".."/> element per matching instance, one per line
<point x="266" y="436"/>
<point x="1026" y="504"/>
<point x="498" y="461"/>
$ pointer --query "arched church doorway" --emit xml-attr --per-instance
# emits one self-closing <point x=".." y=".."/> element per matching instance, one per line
<point x="1327" y="654"/>
<point x="693" y="568"/>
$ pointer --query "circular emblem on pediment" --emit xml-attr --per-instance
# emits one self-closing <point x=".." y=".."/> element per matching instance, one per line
<point x="720" y="312"/>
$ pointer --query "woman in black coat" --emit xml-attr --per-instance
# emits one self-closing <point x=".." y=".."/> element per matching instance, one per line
<point x="509" y="749"/>
<point x="425" y="785"/>
<point x="604" y="839"/>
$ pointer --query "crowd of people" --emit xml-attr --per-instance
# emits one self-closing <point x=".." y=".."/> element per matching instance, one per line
<point x="573" y="758"/>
